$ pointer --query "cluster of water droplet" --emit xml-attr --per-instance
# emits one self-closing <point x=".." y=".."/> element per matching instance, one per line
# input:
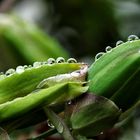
<point x="52" y="61"/>
<point x="9" y="72"/>
<point x="21" y="69"/>
<point x="130" y="38"/>
<point x="109" y="49"/>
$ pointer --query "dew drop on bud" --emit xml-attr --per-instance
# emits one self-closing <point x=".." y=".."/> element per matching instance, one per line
<point x="60" y="60"/>
<point x="98" y="55"/>
<point x="20" y="69"/>
<point x="25" y="66"/>
<point x="132" y="37"/>
<point x="69" y="102"/>
<point x="108" y="49"/>
<point x="37" y="64"/>
<point x="9" y="72"/>
<point x="51" y="61"/>
<point x="119" y="42"/>
<point x="30" y="66"/>
<point x="50" y="124"/>
<point x="72" y="60"/>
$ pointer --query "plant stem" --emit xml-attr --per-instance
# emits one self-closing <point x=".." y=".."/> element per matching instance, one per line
<point x="59" y="124"/>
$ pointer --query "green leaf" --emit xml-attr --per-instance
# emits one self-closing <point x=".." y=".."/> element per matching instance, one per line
<point x="93" y="114"/>
<point x="21" y="84"/>
<point x="44" y="97"/>
<point x="116" y="74"/>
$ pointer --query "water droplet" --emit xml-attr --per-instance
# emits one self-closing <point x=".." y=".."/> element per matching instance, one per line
<point x="108" y="49"/>
<point x="10" y="71"/>
<point x="102" y="133"/>
<point x="37" y="64"/>
<point x="69" y="102"/>
<point x="20" y="69"/>
<point x="51" y="61"/>
<point x="72" y="60"/>
<point x="132" y="37"/>
<point x="25" y="66"/>
<point x="98" y="55"/>
<point x="30" y="66"/>
<point x="50" y="124"/>
<point x="60" y="60"/>
<point x="119" y="42"/>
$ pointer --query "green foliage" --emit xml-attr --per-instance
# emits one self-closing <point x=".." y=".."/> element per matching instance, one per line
<point x="25" y="80"/>
<point x="34" y="101"/>
<point x="90" y="112"/>
<point x="31" y="90"/>
<point x="23" y="93"/>
<point x="56" y="81"/>
<point x="116" y="73"/>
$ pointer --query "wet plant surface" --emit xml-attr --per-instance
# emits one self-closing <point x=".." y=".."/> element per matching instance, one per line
<point x="63" y="73"/>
